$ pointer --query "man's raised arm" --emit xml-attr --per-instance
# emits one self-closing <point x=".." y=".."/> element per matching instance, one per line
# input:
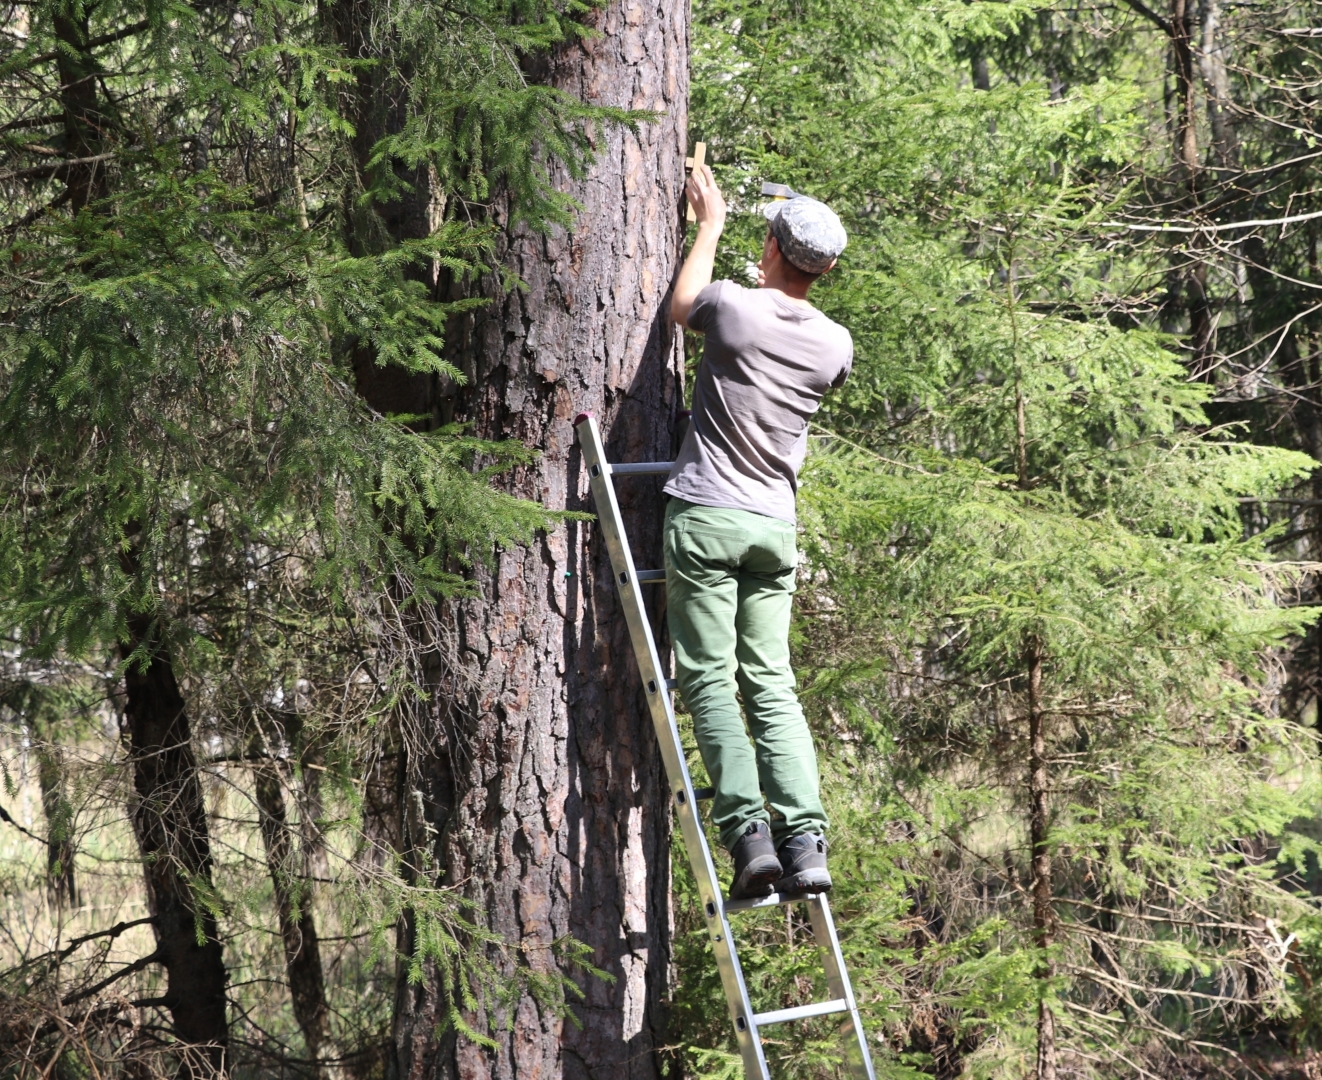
<point x="695" y="274"/>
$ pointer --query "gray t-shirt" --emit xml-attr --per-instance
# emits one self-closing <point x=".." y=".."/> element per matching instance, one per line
<point x="766" y="363"/>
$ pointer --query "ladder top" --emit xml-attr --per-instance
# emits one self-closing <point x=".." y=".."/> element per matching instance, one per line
<point x="627" y="468"/>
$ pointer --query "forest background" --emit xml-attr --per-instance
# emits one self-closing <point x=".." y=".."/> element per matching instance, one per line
<point x="1055" y="627"/>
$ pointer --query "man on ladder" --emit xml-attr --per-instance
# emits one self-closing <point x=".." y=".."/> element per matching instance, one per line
<point x="730" y="554"/>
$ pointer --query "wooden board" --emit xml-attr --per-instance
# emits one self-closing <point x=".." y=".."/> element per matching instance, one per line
<point x="699" y="157"/>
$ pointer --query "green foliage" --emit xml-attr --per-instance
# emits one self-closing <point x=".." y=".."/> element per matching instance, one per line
<point x="489" y="977"/>
<point x="1032" y="577"/>
<point x="1018" y="482"/>
<point x="154" y="389"/>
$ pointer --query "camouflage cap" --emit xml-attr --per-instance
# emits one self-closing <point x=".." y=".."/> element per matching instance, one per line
<point x="808" y="232"/>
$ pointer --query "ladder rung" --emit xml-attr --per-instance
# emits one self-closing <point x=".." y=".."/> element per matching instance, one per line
<point x="776" y="899"/>
<point x="701" y="793"/>
<point x="671" y="684"/>
<point x="802" y="1012"/>
<point x="644" y="576"/>
<point x="641" y="468"/>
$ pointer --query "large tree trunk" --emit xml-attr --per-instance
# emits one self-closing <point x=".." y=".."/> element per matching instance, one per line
<point x="542" y="794"/>
<point x="170" y="822"/>
<point x="551" y="805"/>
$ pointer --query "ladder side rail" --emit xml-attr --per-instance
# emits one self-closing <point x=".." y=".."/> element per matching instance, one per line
<point x="857" y="1056"/>
<point x="672" y="751"/>
<point x="611" y="522"/>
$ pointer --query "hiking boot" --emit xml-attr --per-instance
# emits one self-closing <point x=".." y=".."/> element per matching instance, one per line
<point x="755" y="864"/>
<point x="803" y="865"/>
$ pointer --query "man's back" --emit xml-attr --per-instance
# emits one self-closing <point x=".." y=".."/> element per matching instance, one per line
<point x="766" y="363"/>
<point x="731" y="563"/>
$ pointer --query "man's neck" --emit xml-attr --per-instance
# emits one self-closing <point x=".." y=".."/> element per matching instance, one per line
<point x="794" y="291"/>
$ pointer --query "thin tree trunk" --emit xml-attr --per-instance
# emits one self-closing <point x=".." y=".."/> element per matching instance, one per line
<point x="1186" y="117"/>
<point x="311" y="755"/>
<point x="293" y="899"/>
<point x="168" y="813"/>
<point x="170" y="822"/>
<point x="1186" y="291"/>
<point x="1038" y="809"/>
<point x="1190" y="273"/>
<point x="59" y="824"/>
<point x="1216" y="80"/>
<point x="1039" y="841"/>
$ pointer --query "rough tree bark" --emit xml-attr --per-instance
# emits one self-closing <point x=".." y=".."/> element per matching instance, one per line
<point x="550" y="808"/>
<point x="170" y="822"/>
<point x="541" y="792"/>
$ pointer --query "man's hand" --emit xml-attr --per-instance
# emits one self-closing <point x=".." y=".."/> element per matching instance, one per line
<point x="706" y="199"/>
<point x="695" y="275"/>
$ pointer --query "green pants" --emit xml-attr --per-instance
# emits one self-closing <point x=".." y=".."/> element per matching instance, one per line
<point x="729" y="587"/>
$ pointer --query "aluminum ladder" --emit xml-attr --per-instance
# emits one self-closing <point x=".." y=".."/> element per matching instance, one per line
<point x="716" y="908"/>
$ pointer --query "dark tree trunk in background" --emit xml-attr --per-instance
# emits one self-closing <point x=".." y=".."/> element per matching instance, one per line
<point x="551" y="806"/>
<point x="1190" y="271"/>
<point x="981" y="75"/>
<point x="1186" y="289"/>
<point x="1191" y="265"/>
<point x="85" y="122"/>
<point x="377" y="100"/>
<point x="293" y="898"/>
<point x="168" y="812"/>
<point x="170" y="822"/>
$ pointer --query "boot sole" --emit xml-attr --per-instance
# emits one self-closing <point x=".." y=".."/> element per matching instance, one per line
<point x="805" y="881"/>
<point x="756" y="880"/>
